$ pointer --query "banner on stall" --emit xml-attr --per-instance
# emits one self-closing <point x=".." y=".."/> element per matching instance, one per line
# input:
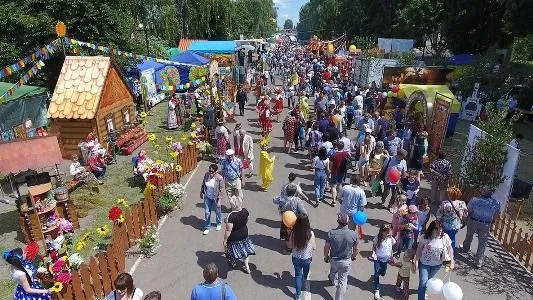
<point x="113" y="51"/>
<point x="441" y="114"/>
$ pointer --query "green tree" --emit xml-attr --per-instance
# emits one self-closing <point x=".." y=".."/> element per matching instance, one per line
<point x="288" y="24"/>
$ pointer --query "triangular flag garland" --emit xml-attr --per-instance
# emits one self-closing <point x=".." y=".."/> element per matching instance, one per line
<point x="24" y="79"/>
<point x="69" y="41"/>
<point x="180" y="87"/>
<point x="43" y="53"/>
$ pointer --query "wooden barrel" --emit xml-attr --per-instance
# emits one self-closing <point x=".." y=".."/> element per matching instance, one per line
<point x="61" y="194"/>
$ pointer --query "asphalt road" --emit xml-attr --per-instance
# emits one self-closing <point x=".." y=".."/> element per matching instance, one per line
<point x="177" y="266"/>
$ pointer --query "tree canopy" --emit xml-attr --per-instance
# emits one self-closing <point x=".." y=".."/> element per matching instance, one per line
<point x="28" y="25"/>
<point x="463" y="26"/>
<point x="288" y="24"/>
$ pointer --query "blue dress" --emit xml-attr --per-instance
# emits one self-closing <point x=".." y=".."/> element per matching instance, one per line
<point x="20" y="294"/>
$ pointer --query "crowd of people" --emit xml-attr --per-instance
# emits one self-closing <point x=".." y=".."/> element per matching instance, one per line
<point x="386" y="154"/>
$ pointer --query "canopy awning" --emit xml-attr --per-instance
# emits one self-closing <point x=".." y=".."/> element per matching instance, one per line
<point x="430" y="91"/>
<point x="29" y="154"/>
<point x="189" y="57"/>
<point x="213" y="47"/>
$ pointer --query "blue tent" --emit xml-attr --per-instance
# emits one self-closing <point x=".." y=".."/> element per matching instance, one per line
<point x="189" y="57"/>
<point x="213" y="47"/>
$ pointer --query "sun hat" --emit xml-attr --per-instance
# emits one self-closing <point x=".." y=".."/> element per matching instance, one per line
<point x="230" y="152"/>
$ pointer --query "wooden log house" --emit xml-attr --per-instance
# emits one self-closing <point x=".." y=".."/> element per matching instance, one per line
<point x="91" y="95"/>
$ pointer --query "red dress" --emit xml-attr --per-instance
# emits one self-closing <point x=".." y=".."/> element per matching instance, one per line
<point x="290" y="128"/>
<point x="278" y="107"/>
<point x="264" y="117"/>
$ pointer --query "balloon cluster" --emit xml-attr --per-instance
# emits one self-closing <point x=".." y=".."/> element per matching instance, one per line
<point x="392" y="93"/>
<point x="450" y="290"/>
<point x="188" y="85"/>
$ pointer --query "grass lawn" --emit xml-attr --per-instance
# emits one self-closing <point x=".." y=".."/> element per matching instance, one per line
<point x="119" y="182"/>
<point x="454" y="146"/>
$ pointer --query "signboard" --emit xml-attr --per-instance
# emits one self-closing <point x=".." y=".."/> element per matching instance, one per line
<point x="441" y="113"/>
<point x="148" y="81"/>
<point x="415" y="75"/>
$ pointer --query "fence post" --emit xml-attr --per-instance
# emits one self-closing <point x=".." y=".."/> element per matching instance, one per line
<point x="88" y="287"/>
<point x="513" y="233"/>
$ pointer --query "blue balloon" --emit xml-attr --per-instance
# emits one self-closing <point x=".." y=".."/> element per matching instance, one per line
<point x="359" y="217"/>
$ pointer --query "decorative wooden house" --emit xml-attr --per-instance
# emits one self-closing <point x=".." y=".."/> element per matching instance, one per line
<point x="91" y="95"/>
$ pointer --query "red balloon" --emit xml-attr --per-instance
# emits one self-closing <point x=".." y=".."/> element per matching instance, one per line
<point x="394" y="175"/>
<point x="395" y="89"/>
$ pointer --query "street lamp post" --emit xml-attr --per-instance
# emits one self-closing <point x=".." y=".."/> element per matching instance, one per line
<point x="141" y="27"/>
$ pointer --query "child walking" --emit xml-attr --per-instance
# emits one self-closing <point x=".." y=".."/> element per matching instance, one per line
<point x="423" y="215"/>
<point x="411" y="186"/>
<point x="382" y="255"/>
<point x="404" y="274"/>
<point x="408" y="229"/>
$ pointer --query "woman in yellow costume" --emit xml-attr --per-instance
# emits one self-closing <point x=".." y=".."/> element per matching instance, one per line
<point x="304" y="106"/>
<point x="266" y="165"/>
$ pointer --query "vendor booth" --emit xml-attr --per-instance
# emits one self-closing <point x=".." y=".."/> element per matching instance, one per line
<point x="24" y="114"/>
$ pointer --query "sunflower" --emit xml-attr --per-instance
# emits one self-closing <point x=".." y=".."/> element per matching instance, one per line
<point x="152" y="137"/>
<point x="190" y="143"/>
<point x="193" y="135"/>
<point x="193" y="125"/>
<point x="157" y="146"/>
<point x="122" y="201"/>
<point x="58" y="287"/>
<point x="174" y="154"/>
<point x="86" y="236"/>
<point x="183" y="138"/>
<point x="159" y="162"/>
<point x="143" y="115"/>
<point x="121" y="219"/>
<point x="151" y="186"/>
<point x="168" y="139"/>
<point x="178" y="168"/>
<point x="104" y="230"/>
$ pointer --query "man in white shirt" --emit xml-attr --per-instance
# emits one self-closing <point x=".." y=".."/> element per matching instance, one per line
<point x="393" y="162"/>
<point x="352" y="198"/>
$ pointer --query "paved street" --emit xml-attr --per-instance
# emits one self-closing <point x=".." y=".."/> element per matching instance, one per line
<point x="177" y="266"/>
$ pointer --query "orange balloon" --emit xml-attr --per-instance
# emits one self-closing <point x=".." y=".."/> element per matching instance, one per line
<point x="289" y="218"/>
<point x="337" y="119"/>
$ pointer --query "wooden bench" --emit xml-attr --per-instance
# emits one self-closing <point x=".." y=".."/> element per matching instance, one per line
<point x="74" y="183"/>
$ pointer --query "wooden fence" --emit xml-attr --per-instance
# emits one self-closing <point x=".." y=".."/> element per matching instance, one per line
<point x="514" y="239"/>
<point x="94" y="279"/>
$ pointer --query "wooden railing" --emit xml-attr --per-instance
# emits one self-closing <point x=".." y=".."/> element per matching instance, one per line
<point x="513" y="238"/>
<point x="94" y="279"/>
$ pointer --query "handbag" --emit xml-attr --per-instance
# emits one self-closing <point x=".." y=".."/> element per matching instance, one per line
<point x="245" y="164"/>
<point x="382" y="173"/>
<point x="463" y="223"/>
<point x="446" y="259"/>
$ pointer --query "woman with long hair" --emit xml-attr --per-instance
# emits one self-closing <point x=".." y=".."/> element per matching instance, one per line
<point x="302" y="242"/>
<point x="320" y="167"/>
<point x="452" y="213"/>
<point x="382" y="255"/>
<point x="434" y="250"/>
<point x="237" y="243"/>
<point x="125" y="289"/>
<point x="22" y="271"/>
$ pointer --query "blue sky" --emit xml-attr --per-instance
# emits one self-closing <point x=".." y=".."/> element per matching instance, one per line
<point x="289" y="9"/>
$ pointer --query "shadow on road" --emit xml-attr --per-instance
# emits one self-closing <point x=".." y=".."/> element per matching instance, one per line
<point x="268" y="242"/>
<point x="193" y="221"/>
<point x="276" y="281"/>
<point x="499" y="275"/>
<point x="206" y="257"/>
<point x="270" y="223"/>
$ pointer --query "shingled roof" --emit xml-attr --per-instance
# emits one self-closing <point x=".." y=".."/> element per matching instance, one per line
<point x="79" y="87"/>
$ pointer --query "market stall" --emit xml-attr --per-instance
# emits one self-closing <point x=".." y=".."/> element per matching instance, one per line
<point x="43" y="208"/>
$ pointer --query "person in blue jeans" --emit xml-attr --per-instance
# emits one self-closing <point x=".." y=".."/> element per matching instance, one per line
<point x="434" y="250"/>
<point x="303" y="243"/>
<point x="382" y="255"/>
<point x="211" y="193"/>
<point x="321" y="169"/>
<point x="212" y="288"/>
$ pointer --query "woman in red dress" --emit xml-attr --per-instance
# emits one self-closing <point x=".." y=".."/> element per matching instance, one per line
<point x="289" y="130"/>
<point x="263" y="109"/>
<point x="278" y="104"/>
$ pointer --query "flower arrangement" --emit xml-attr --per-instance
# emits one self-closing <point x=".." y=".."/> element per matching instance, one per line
<point x="114" y="213"/>
<point x="75" y="261"/>
<point x="31" y="250"/>
<point x="205" y="148"/>
<point x="65" y="226"/>
<point x="148" y="242"/>
<point x="172" y="197"/>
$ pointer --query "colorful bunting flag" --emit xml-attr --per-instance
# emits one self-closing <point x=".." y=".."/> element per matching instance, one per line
<point x="19" y="65"/>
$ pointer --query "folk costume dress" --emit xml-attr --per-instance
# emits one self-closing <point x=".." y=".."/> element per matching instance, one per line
<point x="278" y="105"/>
<point x="266" y="169"/>
<point x="172" y="120"/>
<point x="222" y="136"/>
<point x="304" y="106"/>
<point x="20" y="294"/>
<point x="263" y="109"/>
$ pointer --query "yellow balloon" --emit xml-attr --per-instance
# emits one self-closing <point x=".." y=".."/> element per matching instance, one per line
<point x="289" y="218"/>
<point x="330" y="48"/>
<point x="352" y="48"/>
